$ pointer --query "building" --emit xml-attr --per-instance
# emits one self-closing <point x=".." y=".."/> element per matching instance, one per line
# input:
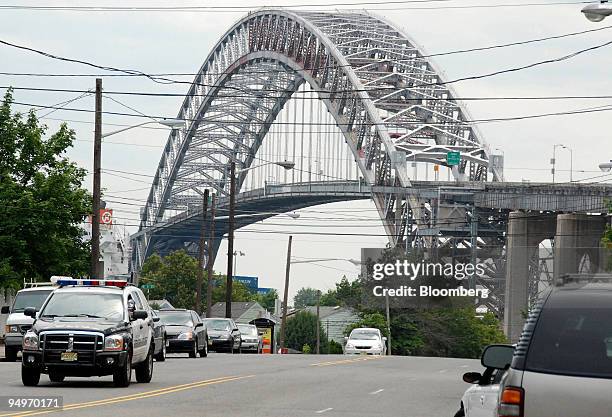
<point x="333" y="319"/>
<point x="243" y="312"/>
<point x="114" y="245"/>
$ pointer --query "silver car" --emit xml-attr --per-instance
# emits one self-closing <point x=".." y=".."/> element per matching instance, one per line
<point x="562" y="365"/>
<point x="251" y="342"/>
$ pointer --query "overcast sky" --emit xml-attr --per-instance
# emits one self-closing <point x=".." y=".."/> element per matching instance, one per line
<point x="155" y="42"/>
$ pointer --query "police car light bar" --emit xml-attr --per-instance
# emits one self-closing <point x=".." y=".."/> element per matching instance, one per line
<point x="64" y="281"/>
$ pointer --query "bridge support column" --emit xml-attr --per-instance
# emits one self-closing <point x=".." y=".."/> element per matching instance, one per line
<point x="578" y="244"/>
<point x="525" y="232"/>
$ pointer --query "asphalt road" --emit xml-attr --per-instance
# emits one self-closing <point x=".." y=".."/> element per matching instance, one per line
<point x="263" y="385"/>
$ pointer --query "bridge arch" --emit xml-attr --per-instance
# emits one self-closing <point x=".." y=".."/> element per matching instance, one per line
<point x="385" y="95"/>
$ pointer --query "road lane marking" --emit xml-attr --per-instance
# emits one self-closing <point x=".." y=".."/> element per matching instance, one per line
<point x="324" y="411"/>
<point x="464" y="366"/>
<point x="377" y="391"/>
<point x="345" y="361"/>
<point x="443" y="371"/>
<point x="132" y="397"/>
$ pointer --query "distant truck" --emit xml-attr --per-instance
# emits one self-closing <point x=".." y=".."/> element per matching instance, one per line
<point x="17" y="324"/>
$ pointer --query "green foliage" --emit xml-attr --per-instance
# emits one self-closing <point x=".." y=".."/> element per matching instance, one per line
<point x="267" y="300"/>
<point x="305" y="297"/>
<point x="334" y="348"/>
<point x="174" y="277"/>
<point x="302" y="330"/>
<point x="607" y="244"/>
<point x="43" y="201"/>
<point x="375" y="320"/>
<point x="347" y="294"/>
<point x="306" y="349"/>
<point x="448" y="332"/>
<point x="240" y="292"/>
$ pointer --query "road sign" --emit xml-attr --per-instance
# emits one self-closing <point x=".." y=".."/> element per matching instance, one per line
<point x="453" y="158"/>
<point x="252" y="283"/>
<point x="147" y="286"/>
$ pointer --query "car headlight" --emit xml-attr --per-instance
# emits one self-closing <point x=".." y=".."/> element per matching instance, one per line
<point x="30" y="341"/>
<point x="113" y="343"/>
<point x="349" y="346"/>
<point x="185" y="336"/>
<point x="11" y="328"/>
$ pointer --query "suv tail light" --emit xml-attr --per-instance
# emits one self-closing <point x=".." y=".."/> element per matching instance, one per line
<point x="512" y="402"/>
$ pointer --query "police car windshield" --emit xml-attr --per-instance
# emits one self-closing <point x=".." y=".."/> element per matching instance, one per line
<point x="30" y="299"/>
<point x="109" y="306"/>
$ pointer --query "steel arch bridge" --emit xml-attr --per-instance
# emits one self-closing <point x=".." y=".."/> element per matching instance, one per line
<point x="380" y="91"/>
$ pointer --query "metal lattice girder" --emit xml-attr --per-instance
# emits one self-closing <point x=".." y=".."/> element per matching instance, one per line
<point x="386" y="97"/>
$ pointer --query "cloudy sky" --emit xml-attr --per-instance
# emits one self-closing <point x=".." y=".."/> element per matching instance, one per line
<point x="178" y="42"/>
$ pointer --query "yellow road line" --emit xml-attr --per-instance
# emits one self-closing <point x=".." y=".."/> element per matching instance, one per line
<point x="137" y="396"/>
<point x="340" y="362"/>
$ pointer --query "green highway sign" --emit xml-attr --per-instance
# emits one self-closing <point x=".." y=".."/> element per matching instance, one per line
<point x="147" y="286"/>
<point x="453" y="158"/>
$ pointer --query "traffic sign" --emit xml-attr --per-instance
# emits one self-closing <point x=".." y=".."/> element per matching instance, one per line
<point x="147" y="286"/>
<point x="453" y="158"/>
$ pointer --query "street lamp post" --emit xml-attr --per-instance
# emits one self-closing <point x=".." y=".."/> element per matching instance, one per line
<point x="230" y="233"/>
<point x="553" y="161"/>
<point x="97" y="168"/>
<point x="597" y="12"/>
<point x="571" y="162"/>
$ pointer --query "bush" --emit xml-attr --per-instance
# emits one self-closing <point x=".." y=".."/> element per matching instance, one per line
<point x="334" y="348"/>
<point x="306" y="349"/>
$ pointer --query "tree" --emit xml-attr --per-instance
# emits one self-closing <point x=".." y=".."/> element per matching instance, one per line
<point x="174" y="278"/>
<point x="374" y="320"/>
<point x="305" y="297"/>
<point x="43" y="201"/>
<point x="302" y="330"/>
<point x="347" y="294"/>
<point x="267" y="300"/>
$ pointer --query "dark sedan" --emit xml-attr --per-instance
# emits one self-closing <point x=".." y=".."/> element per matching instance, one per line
<point x="223" y="334"/>
<point x="185" y="332"/>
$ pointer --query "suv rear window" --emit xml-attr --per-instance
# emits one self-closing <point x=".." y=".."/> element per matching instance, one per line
<point x="572" y="340"/>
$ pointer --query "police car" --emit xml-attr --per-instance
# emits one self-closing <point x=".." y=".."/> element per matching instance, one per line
<point x="90" y="328"/>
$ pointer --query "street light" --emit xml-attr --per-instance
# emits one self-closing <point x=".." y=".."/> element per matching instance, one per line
<point x="597" y="12"/>
<point x="571" y="162"/>
<point x="230" y="232"/>
<point x="553" y="161"/>
<point x="171" y="123"/>
<point x="606" y="166"/>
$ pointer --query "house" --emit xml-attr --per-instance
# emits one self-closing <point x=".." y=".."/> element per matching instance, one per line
<point x="160" y="304"/>
<point x="243" y="311"/>
<point x="333" y="319"/>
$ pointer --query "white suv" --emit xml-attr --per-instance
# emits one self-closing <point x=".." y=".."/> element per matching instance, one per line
<point x="562" y="365"/>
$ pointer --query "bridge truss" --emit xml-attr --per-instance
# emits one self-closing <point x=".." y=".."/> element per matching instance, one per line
<point x="386" y="102"/>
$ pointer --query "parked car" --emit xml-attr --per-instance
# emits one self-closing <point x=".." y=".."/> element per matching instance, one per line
<point x="224" y="334"/>
<point x="365" y="341"/>
<point x="251" y="341"/>
<point x="17" y="323"/>
<point x="185" y="332"/>
<point x="159" y="334"/>
<point x="562" y="364"/>
<point x="90" y="328"/>
<point x="481" y="399"/>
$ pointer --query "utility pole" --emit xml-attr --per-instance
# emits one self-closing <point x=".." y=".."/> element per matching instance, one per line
<point x="318" y="322"/>
<point x="230" y="243"/>
<point x="200" y="280"/>
<point x="211" y="248"/>
<point x="285" y="295"/>
<point x="97" y="162"/>
<point x="388" y="325"/>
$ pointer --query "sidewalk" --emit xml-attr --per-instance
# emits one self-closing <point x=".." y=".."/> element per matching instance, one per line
<point x="1" y="350"/>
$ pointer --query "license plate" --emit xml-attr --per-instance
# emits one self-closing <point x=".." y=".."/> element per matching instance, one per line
<point x="209" y="342"/>
<point x="69" y="356"/>
<point x="363" y="353"/>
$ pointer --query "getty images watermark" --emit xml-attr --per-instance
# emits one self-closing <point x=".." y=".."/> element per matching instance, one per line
<point x="420" y="270"/>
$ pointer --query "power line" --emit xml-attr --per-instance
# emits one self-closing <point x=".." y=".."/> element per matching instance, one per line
<point x="164" y="80"/>
<point x="234" y="9"/>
